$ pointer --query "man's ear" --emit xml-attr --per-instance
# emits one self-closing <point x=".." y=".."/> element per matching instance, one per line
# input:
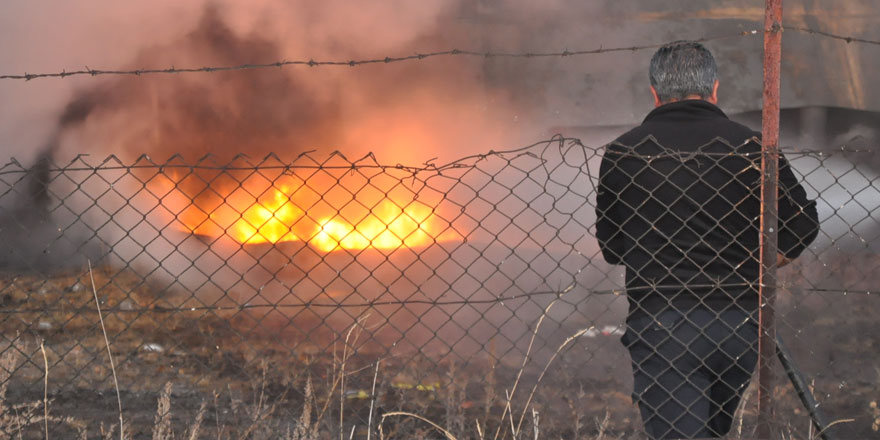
<point x="714" y="98"/>
<point x="657" y="102"/>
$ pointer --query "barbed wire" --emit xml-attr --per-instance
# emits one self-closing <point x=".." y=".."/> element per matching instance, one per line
<point x="848" y="39"/>
<point x="354" y="63"/>
<point x="831" y="151"/>
<point x="414" y="57"/>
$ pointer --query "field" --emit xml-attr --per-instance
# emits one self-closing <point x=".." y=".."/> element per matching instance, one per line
<point x="224" y="373"/>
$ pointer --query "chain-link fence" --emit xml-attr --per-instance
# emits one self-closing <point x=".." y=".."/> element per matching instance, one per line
<point x="324" y="298"/>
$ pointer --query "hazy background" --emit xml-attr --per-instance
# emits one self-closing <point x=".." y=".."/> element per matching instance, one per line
<point x="406" y="112"/>
<point x="438" y="110"/>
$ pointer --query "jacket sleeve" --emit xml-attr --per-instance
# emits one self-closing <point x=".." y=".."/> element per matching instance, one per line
<point x="798" y="218"/>
<point x="608" y="224"/>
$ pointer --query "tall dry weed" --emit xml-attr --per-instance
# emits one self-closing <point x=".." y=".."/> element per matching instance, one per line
<point x="197" y="422"/>
<point x="305" y="429"/>
<point x="162" y="421"/>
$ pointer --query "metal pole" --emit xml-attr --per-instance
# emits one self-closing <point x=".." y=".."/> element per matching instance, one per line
<point x="769" y="218"/>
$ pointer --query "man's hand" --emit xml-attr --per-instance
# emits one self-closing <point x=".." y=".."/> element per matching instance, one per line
<point x="781" y="260"/>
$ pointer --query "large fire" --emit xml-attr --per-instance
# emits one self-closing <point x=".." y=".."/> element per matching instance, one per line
<point x="286" y="210"/>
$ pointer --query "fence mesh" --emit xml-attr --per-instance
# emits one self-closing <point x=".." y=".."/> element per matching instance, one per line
<point x="326" y="297"/>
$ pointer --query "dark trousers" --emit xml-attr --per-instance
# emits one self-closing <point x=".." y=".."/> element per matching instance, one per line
<point x="690" y="370"/>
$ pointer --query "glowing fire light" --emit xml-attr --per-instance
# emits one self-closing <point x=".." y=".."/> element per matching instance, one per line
<point x="386" y="227"/>
<point x="275" y="216"/>
<point x="267" y="221"/>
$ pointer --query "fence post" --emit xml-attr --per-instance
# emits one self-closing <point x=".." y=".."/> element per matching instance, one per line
<point x="769" y="219"/>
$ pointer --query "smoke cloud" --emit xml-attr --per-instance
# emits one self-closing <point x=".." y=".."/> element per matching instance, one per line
<point x="405" y="111"/>
<point x="416" y="110"/>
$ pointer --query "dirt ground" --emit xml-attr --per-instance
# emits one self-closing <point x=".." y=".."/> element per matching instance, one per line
<point x="251" y="374"/>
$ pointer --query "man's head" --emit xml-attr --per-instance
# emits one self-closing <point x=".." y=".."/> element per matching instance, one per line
<point x="683" y="70"/>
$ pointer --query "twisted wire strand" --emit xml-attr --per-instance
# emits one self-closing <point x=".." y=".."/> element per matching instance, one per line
<point x="361" y="62"/>
<point x="414" y="57"/>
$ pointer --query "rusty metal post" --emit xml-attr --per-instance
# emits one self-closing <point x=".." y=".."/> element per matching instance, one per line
<point x="769" y="217"/>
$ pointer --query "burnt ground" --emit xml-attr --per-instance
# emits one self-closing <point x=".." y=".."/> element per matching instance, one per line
<point x="255" y="378"/>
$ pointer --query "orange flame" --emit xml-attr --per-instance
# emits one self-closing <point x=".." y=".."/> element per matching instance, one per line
<point x="274" y="215"/>
<point x="269" y="220"/>
<point x="388" y="226"/>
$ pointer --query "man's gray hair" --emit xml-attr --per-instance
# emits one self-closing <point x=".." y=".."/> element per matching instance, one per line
<point x="682" y="69"/>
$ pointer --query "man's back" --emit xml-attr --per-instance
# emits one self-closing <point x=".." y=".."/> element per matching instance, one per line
<point x="679" y="205"/>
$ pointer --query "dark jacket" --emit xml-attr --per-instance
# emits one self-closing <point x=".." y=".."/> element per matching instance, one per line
<point x="679" y="204"/>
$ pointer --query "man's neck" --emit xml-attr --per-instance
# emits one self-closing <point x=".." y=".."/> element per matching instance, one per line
<point x="687" y="98"/>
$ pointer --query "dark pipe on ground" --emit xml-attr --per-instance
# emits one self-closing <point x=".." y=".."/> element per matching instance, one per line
<point x="803" y="391"/>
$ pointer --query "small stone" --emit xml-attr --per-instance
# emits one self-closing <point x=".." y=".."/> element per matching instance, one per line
<point x="153" y="347"/>
<point x="44" y="325"/>
<point x="126" y="304"/>
<point x="612" y="330"/>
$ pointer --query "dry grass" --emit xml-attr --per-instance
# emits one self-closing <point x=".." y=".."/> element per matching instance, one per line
<point x="295" y="394"/>
<point x="312" y="425"/>
<point x="16" y="418"/>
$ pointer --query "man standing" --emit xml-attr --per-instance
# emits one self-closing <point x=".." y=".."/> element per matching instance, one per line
<point x="678" y="205"/>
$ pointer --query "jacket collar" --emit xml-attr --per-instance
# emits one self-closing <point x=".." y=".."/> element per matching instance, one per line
<point x="687" y="109"/>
